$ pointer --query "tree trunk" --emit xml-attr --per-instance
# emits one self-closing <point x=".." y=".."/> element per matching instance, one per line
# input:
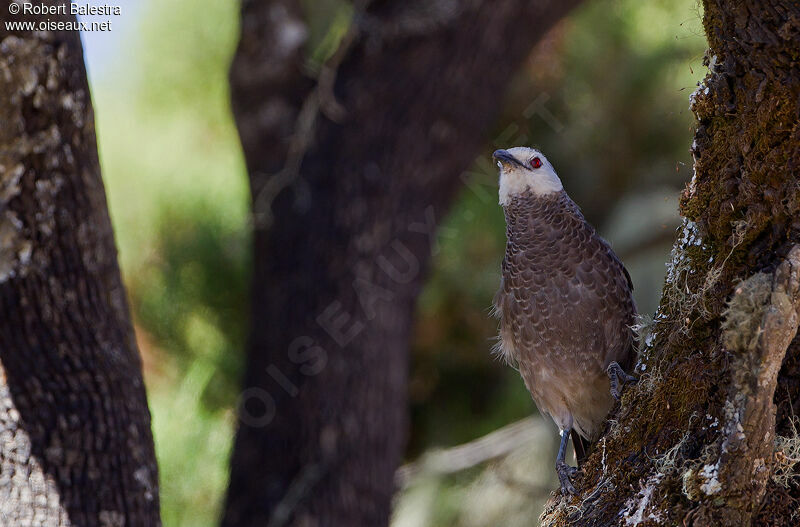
<point x="350" y="175"/>
<point x="75" y="441"/>
<point x="709" y="435"/>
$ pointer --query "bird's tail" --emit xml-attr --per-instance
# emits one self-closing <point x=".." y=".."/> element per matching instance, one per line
<point x="581" y="446"/>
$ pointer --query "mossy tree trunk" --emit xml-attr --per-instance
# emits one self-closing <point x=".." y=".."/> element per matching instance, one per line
<point x="75" y="441"/>
<point x="350" y="173"/>
<point x="709" y="436"/>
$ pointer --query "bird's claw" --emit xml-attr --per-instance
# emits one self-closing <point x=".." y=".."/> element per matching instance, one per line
<point x="565" y="475"/>
<point x="617" y="374"/>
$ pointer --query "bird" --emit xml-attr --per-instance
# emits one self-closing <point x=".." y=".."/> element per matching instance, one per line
<point x="565" y="305"/>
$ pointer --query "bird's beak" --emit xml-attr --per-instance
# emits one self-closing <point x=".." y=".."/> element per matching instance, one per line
<point x="503" y="157"/>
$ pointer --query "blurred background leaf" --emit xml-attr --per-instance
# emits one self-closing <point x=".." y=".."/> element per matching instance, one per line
<point x="604" y="95"/>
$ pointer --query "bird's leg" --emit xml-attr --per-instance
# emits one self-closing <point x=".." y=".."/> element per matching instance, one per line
<point x="616" y="374"/>
<point x="564" y="471"/>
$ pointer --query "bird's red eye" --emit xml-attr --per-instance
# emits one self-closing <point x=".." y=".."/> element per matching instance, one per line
<point x="536" y="162"/>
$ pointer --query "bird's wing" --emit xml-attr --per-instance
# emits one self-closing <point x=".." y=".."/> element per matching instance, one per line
<point x="611" y="285"/>
<point x="564" y="293"/>
<point x="595" y="290"/>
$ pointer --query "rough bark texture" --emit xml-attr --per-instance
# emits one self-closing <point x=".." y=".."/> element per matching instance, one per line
<point x="707" y="436"/>
<point x="75" y="441"/>
<point x="350" y="175"/>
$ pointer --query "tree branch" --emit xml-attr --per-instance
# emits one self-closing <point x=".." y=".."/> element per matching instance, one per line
<point x="760" y="322"/>
<point x="494" y="445"/>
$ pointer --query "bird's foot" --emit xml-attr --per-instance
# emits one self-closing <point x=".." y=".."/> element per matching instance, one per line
<point x="618" y="379"/>
<point x="565" y="475"/>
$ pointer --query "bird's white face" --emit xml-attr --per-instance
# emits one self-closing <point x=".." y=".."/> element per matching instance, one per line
<point x="522" y="169"/>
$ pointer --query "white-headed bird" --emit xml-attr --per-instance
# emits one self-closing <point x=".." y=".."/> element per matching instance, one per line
<point x="565" y="304"/>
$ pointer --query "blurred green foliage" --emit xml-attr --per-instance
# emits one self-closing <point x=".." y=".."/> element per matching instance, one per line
<point x="179" y="201"/>
<point x="615" y="77"/>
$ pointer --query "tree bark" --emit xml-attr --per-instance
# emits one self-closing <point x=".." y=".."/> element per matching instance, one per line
<point x="350" y="175"/>
<point x="707" y="436"/>
<point x="75" y="441"/>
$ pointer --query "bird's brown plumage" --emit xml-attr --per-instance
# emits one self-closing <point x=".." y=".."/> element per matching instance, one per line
<point x="566" y="309"/>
